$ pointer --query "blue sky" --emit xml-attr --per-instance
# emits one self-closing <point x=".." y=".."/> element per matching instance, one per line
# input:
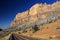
<point x="9" y="9"/>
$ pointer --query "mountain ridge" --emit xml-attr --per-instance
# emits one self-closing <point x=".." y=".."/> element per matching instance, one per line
<point x="32" y="14"/>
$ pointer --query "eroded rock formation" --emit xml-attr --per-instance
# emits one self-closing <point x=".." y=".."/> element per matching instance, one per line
<point x="35" y="13"/>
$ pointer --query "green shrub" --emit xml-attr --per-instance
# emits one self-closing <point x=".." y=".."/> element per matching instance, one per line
<point x="35" y="28"/>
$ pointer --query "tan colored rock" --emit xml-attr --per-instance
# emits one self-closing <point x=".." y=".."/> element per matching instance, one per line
<point x="55" y="5"/>
<point x="37" y="11"/>
<point x="33" y="10"/>
<point x="22" y="15"/>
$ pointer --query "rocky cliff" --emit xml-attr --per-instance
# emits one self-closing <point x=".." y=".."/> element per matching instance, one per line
<point x="35" y="13"/>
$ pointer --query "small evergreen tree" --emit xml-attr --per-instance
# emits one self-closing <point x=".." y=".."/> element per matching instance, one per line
<point x="35" y="28"/>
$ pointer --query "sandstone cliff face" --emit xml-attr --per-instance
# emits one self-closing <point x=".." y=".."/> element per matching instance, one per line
<point x="35" y="13"/>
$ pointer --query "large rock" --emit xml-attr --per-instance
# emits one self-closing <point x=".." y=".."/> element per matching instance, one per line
<point x="36" y="12"/>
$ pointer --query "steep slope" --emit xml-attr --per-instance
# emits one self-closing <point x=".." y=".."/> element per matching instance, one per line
<point x="37" y="11"/>
<point x="41" y="21"/>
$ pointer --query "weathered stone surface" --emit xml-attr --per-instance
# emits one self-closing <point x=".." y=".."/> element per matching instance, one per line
<point x="36" y="12"/>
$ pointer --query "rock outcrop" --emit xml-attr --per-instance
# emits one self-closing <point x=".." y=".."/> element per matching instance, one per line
<point x="35" y="13"/>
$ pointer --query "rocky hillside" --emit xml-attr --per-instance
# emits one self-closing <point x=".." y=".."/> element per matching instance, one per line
<point x="38" y="12"/>
<point x="40" y="21"/>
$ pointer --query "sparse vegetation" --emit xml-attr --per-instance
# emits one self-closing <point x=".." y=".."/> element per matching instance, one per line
<point x="50" y="37"/>
<point x="47" y="27"/>
<point x="24" y="31"/>
<point x="58" y="27"/>
<point x="51" y="17"/>
<point x="35" y="28"/>
<point x="19" y="32"/>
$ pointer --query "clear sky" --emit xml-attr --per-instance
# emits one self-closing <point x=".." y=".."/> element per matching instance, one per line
<point x="9" y="9"/>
